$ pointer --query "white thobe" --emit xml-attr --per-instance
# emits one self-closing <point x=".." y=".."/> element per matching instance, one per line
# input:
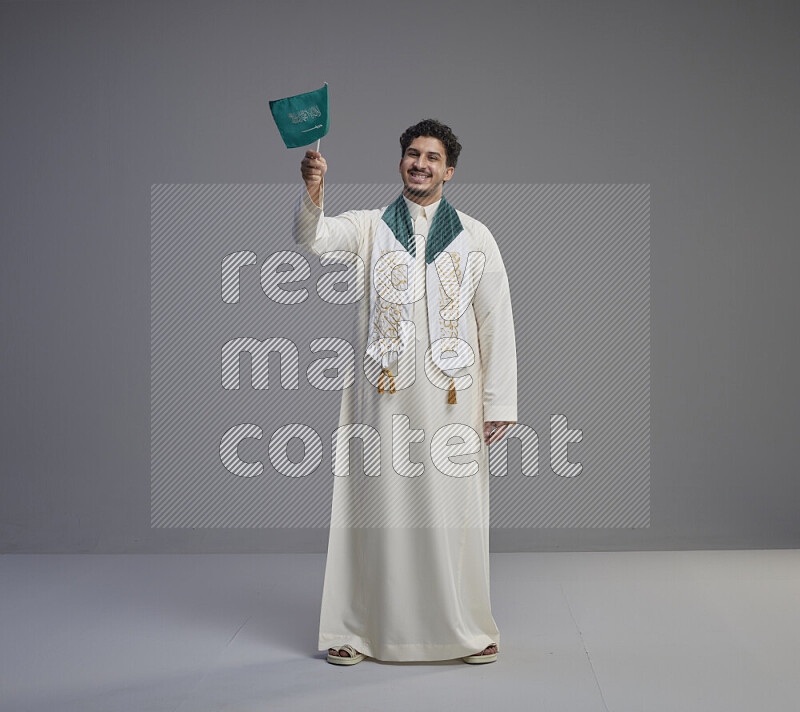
<point x="407" y="571"/>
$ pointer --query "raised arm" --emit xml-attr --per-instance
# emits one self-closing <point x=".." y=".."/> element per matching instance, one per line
<point x="310" y="228"/>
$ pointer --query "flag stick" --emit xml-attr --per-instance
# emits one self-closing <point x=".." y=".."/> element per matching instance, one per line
<point x="320" y="139"/>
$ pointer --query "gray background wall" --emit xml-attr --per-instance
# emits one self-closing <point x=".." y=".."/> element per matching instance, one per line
<point x="102" y="100"/>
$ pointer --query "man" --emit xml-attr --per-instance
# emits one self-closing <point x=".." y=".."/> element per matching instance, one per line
<point x="407" y="573"/>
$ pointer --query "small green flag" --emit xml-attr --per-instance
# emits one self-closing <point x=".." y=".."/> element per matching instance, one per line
<point x="302" y="119"/>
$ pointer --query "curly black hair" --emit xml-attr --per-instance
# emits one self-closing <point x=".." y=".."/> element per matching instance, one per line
<point x="432" y="127"/>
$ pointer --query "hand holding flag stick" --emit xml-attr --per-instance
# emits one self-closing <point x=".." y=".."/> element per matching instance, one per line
<point x="313" y="168"/>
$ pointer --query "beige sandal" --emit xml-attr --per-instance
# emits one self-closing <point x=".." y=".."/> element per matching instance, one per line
<point x="354" y="658"/>
<point x="481" y="658"/>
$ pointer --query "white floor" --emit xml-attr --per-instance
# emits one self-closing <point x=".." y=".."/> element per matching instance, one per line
<point x="617" y="632"/>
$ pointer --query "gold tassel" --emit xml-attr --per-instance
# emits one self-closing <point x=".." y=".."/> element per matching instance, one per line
<point x="391" y="381"/>
<point x="451" y="395"/>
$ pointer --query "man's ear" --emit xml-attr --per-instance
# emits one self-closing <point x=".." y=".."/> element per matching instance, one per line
<point x="448" y="174"/>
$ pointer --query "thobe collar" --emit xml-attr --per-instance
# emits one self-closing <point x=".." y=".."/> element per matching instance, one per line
<point x="445" y="225"/>
<point x="416" y="209"/>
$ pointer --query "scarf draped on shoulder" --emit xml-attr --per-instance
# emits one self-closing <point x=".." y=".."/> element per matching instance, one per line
<point x="450" y="277"/>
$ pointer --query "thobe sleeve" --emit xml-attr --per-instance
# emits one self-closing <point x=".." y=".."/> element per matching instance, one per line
<point x="496" y="340"/>
<point x="317" y="233"/>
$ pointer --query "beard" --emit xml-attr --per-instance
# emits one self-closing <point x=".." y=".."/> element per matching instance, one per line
<point x="417" y="191"/>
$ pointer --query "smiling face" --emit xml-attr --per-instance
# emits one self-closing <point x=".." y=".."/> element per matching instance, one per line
<point x="424" y="170"/>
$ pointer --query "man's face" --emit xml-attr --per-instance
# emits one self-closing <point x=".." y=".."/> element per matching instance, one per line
<point x="424" y="170"/>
